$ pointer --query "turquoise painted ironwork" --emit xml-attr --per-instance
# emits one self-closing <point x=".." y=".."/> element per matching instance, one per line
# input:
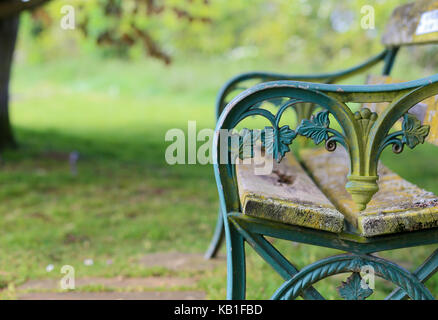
<point x="364" y="135"/>
<point x="237" y="83"/>
<point x="354" y="289"/>
<point x="317" y="128"/>
<point x="412" y="134"/>
<point x="353" y="263"/>
<point x="253" y="231"/>
<point x="303" y="111"/>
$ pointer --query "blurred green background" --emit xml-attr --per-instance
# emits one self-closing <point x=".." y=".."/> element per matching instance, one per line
<point x="113" y="105"/>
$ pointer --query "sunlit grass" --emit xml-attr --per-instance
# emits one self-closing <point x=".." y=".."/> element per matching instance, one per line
<point x="126" y="201"/>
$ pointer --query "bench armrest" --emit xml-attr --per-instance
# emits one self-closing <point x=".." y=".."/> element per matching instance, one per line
<point x="236" y="82"/>
<point x="364" y="134"/>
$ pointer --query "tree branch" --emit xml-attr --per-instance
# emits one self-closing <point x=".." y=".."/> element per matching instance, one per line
<point x="13" y="7"/>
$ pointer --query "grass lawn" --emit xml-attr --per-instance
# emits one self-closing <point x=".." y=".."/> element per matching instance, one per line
<point x="125" y="201"/>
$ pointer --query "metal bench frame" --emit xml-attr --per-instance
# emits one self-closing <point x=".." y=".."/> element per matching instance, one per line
<point x="238" y="84"/>
<point x="364" y="147"/>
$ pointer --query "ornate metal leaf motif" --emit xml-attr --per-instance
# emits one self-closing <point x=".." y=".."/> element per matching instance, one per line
<point x="276" y="142"/>
<point x="413" y="132"/>
<point x="316" y="127"/>
<point x="268" y="139"/>
<point x="247" y="140"/>
<point x="352" y="288"/>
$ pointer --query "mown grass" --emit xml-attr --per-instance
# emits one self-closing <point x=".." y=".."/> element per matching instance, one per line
<point x="125" y="200"/>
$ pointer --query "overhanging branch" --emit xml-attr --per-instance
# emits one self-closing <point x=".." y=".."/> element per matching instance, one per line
<point x="13" y="7"/>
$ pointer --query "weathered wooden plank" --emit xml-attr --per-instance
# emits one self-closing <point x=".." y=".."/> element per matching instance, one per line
<point x="341" y="241"/>
<point x="413" y="23"/>
<point x="426" y="111"/>
<point x="287" y="195"/>
<point x="398" y="206"/>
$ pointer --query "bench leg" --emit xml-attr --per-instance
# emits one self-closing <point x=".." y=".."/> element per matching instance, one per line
<point x="236" y="269"/>
<point x="345" y="263"/>
<point x="218" y="238"/>
<point x="423" y="273"/>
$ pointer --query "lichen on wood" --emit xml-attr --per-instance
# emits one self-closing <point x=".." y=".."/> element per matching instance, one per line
<point x="286" y="195"/>
<point x="402" y="26"/>
<point x="398" y="206"/>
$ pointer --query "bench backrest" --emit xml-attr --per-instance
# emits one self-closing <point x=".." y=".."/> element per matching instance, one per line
<point x="426" y="111"/>
<point x="413" y="23"/>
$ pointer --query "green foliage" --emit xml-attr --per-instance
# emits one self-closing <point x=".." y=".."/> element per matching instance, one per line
<point x="278" y="29"/>
<point x="126" y="201"/>
<point x="119" y="25"/>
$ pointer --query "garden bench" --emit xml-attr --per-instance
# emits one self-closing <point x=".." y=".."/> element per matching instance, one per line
<point x="340" y="196"/>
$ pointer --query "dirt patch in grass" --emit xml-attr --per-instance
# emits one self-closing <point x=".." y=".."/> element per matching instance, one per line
<point x="118" y="282"/>
<point x="153" y="295"/>
<point x="178" y="261"/>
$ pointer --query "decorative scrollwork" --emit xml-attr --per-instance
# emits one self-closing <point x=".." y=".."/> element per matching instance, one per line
<point x="317" y="129"/>
<point x="330" y="145"/>
<point x="276" y="141"/>
<point x="412" y="134"/>
<point x="247" y="140"/>
<point x="397" y="146"/>
<point x="363" y="134"/>
<point x="353" y="288"/>
<point x="366" y="119"/>
<point x="385" y="269"/>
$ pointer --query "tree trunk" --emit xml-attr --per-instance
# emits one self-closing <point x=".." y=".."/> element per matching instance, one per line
<point x="8" y="36"/>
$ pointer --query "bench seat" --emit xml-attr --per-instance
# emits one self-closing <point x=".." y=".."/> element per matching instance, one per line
<point x="286" y="195"/>
<point x="398" y="206"/>
<point x="290" y="196"/>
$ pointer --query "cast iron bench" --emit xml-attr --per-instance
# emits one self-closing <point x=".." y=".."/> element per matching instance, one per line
<point x="339" y="196"/>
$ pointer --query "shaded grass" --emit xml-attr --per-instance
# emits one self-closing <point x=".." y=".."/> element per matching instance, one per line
<point x="126" y="201"/>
